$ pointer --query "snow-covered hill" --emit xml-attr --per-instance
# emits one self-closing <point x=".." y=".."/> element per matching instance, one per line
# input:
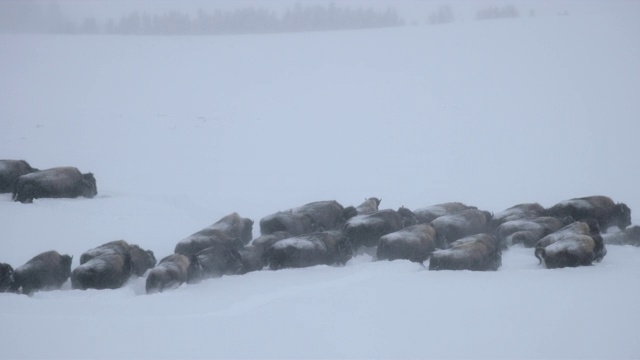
<point x="182" y="131"/>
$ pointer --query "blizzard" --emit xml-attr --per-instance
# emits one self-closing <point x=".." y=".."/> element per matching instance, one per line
<point x="181" y="131"/>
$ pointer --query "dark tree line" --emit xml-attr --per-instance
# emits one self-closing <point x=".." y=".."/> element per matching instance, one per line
<point x="35" y="19"/>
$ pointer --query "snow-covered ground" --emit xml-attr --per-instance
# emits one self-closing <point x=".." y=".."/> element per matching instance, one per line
<point x="182" y="131"/>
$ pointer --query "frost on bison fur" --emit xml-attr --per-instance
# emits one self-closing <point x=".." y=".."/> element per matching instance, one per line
<point x="518" y="212"/>
<point x="628" y="236"/>
<point x="110" y="265"/>
<point x="528" y="231"/>
<point x="601" y="208"/>
<point x="265" y="241"/>
<point x="413" y="243"/>
<point x="428" y="214"/>
<point x="171" y="272"/>
<point x="577" y="244"/>
<point x="46" y="271"/>
<point x="321" y="248"/>
<point x="478" y="252"/>
<point x="6" y="277"/>
<point x="366" y="230"/>
<point x="10" y="170"/>
<point x="461" y="224"/>
<point x="312" y="217"/>
<point x="60" y="182"/>
<point x="232" y="229"/>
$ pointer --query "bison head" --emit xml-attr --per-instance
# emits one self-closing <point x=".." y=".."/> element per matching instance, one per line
<point x="90" y="189"/>
<point x="622" y="215"/>
<point x="6" y="277"/>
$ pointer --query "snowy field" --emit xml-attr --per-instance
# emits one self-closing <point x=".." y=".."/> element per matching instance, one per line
<point x="180" y="131"/>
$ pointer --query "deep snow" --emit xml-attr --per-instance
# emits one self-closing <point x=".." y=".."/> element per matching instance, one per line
<point x="182" y="131"/>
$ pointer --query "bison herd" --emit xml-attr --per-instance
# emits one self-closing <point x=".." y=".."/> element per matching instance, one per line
<point x="450" y="236"/>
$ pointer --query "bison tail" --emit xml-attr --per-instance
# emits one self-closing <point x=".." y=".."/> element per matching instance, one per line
<point x="540" y="254"/>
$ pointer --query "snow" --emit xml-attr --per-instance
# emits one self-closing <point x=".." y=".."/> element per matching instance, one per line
<point x="181" y="131"/>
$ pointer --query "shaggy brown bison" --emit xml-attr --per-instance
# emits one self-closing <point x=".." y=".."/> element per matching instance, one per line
<point x="60" y="182"/>
<point x="232" y="229"/>
<point x="46" y="271"/>
<point x="413" y="243"/>
<point x="312" y="217"/>
<point x="171" y="272"/>
<point x="628" y="236"/>
<point x="366" y="230"/>
<point x="577" y="244"/>
<point x="216" y="260"/>
<point x="455" y="226"/>
<point x="601" y="208"/>
<point x="110" y="265"/>
<point x="369" y="206"/>
<point x="479" y="252"/>
<point x="252" y="258"/>
<point x="517" y="212"/>
<point x="10" y="170"/>
<point x="528" y="231"/>
<point x="327" y="247"/>
<point x="427" y="214"/>
<point x="6" y="277"/>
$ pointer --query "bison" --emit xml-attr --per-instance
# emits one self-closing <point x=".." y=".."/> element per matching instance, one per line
<point x="217" y="260"/>
<point x="6" y="277"/>
<point x="601" y="208"/>
<point x="312" y="217"/>
<point x="10" y="170"/>
<point x="60" y="182"/>
<point x="455" y="226"/>
<point x="252" y="258"/>
<point x="366" y="230"/>
<point x="628" y="236"/>
<point x="327" y="247"/>
<point x="414" y="243"/>
<point x="479" y="252"/>
<point x="577" y="244"/>
<point x="171" y="272"/>
<point x="46" y="271"/>
<point x="110" y="265"/>
<point x="232" y="229"/>
<point x="369" y="206"/>
<point x="517" y="212"/>
<point x="528" y="231"/>
<point x="427" y="214"/>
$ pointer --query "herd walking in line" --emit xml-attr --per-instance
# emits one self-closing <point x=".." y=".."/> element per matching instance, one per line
<point x="449" y="236"/>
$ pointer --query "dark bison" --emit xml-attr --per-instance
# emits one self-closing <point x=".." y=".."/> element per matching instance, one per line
<point x="601" y="208"/>
<point x="265" y="241"/>
<point x="628" y="236"/>
<point x="517" y="212"/>
<point x="413" y="243"/>
<point x="366" y="230"/>
<point x="46" y="271"/>
<point x="321" y="248"/>
<point x="312" y="217"/>
<point x="171" y="272"/>
<point x="217" y="260"/>
<point x="455" y="226"/>
<point x="427" y="214"/>
<point x="369" y="206"/>
<point x="479" y="252"/>
<point x="577" y="244"/>
<point x="110" y="265"/>
<point x="60" y="182"/>
<point x="232" y="229"/>
<point x="6" y="277"/>
<point x="10" y="170"/>
<point x="408" y="217"/>
<point x="528" y="231"/>
<point x="252" y="258"/>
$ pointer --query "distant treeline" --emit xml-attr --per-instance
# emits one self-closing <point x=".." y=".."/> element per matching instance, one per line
<point x="31" y="18"/>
